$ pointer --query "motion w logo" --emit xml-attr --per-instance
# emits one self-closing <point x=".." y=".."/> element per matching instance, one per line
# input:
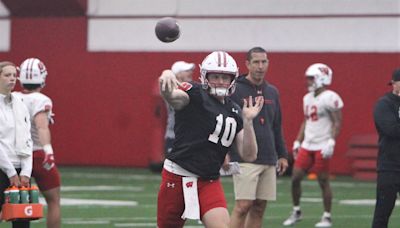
<point x="189" y="184"/>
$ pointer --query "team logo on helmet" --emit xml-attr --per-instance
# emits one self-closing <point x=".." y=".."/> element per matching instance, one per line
<point x="41" y="67"/>
<point x="324" y="70"/>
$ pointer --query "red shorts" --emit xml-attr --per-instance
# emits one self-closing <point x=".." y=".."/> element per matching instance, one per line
<point x="45" y="179"/>
<point x="171" y="203"/>
<point x="306" y="159"/>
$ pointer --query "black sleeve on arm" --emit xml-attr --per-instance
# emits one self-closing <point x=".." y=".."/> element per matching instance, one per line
<point x="386" y="120"/>
<point x="194" y="91"/>
<point x="278" y="132"/>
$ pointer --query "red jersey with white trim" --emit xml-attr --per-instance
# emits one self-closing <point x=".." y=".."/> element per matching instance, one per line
<point x="318" y="122"/>
<point x="204" y="131"/>
<point x="36" y="102"/>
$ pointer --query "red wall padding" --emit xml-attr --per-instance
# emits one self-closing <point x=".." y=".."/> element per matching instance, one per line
<point x="104" y="102"/>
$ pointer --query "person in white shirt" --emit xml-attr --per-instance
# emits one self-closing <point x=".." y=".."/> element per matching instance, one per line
<point x="32" y="78"/>
<point x="183" y="72"/>
<point x="15" y="137"/>
<point x="315" y="141"/>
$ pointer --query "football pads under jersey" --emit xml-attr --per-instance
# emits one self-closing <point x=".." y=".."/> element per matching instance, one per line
<point x="204" y="131"/>
<point x="36" y="102"/>
<point x="318" y="123"/>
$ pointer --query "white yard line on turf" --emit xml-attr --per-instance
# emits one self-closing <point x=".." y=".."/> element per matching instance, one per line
<point x="342" y="184"/>
<point x="101" y="188"/>
<point x="135" y="225"/>
<point x="93" y="202"/>
<point x="89" y="222"/>
<point x="113" y="176"/>
<point x="126" y="195"/>
<point x="148" y="219"/>
<point x="362" y="202"/>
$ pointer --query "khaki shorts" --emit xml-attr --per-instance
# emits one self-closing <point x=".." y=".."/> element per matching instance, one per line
<point x="255" y="182"/>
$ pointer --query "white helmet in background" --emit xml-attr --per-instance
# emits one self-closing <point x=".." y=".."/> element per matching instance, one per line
<point x="219" y="62"/>
<point x="32" y="71"/>
<point x="322" y="75"/>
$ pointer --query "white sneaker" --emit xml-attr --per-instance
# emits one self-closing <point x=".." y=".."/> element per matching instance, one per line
<point x="294" y="217"/>
<point x="325" y="222"/>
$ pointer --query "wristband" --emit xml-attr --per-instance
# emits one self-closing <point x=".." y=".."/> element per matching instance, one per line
<point x="331" y="142"/>
<point x="48" y="149"/>
<point x="296" y="144"/>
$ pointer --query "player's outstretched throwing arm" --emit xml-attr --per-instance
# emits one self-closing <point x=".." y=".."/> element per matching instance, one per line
<point x="246" y="138"/>
<point x="175" y="97"/>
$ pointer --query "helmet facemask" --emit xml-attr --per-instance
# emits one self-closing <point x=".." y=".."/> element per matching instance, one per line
<point x="218" y="90"/>
<point x="313" y="86"/>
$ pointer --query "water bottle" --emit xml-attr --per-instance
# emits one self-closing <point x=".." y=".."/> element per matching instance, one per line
<point x="7" y="195"/>
<point x="34" y="194"/>
<point x="24" y="194"/>
<point x="14" y="194"/>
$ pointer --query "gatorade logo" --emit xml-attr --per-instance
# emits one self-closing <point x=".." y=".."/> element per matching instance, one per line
<point x="28" y="211"/>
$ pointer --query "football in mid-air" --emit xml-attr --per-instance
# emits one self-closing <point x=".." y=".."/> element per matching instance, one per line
<point x="167" y="29"/>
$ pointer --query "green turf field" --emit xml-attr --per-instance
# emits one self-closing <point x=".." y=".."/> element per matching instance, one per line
<point x="106" y="197"/>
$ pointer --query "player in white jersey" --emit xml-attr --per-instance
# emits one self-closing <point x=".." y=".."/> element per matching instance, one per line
<point x="32" y="77"/>
<point x="315" y="142"/>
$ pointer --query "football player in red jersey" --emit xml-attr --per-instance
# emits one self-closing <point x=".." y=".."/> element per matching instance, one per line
<point x="32" y="77"/>
<point x="207" y="124"/>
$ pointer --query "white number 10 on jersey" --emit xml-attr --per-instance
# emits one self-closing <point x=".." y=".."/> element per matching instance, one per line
<point x="229" y="132"/>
